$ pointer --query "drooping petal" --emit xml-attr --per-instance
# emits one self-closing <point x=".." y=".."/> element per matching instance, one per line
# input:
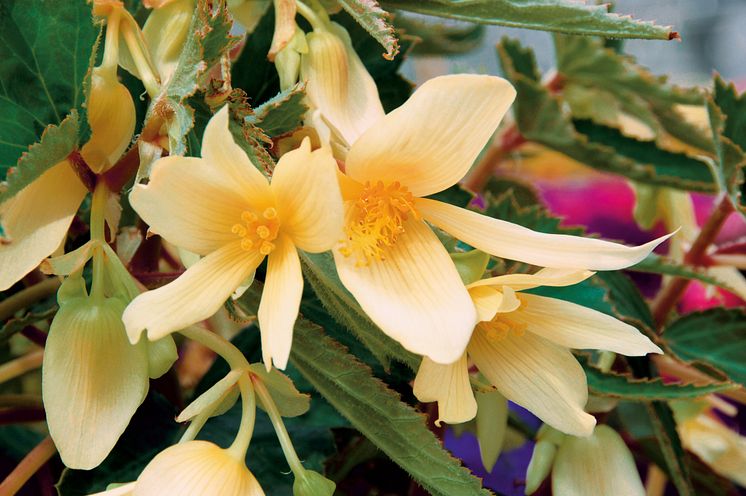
<point x="196" y="468"/>
<point x="508" y="240"/>
<point x="430" y="142"/>
<point x="575" y="326"/>
<point x="489" y="301"/>
<point x="194" y="296"/>
<point x="538" y="375"/>
<point x="228" y="161"/>
<point x="596" y="465"/>
<point x="338" y="85"/>
<point x="415" y="295"/>
<point x="278" y="309"/>
<point x="187" y="205"/>
<point x="36" y="221"/>
<point x="448" y="385"/>
<point x="544" y="277"/>
<point x="308" y="198"/>
<point x="93" y="380"/>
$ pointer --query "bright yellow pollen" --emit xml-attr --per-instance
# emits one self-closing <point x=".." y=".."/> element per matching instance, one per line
<point x="257" y="233"/>
<point x="375" y="220"/>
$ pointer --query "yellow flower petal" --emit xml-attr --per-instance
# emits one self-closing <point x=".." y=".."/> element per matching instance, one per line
<point x="187" y="205"/>
<point x="448" y="385"/>
<point x="230" y="163"/>
<point x="545" y="277"/>
<point x="196" y="295"/>
<point x="538" y="375"/>
<point x="196" y="468"/>
<point x="278" y="309"/>
<point x="575" y="326"/>
<point x="415" y="295"/>
<point x="489" y="301"/>
<point x="111" y="115"/>
<point x="165" y="33"/>
<point x="338" y="85"/>
<point x="723" y="449"/>
<point x="430" y="142"/>
<point x="36" y="221"/>
<point x="93" y="380"/>
<point x="308" y="198"/>
<point x="508" y="240"/>
<point x="597" y="465"/>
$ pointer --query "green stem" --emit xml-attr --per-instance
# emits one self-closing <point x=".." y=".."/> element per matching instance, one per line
<point x="111" y="45"/>
<point x="282" y="434"/>
<point x="26" y="297"/>
<point x="311" y="16"/>
<point x="142" y="62"/>
<point x="248" y="416"/>
<point x="98" y="228"/>
<point x="219" y="345"/>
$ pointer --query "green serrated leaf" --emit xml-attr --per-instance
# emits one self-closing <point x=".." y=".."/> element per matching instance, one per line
<point x="626" y="387"/>
<point x="208" y="39"/>
<point x="726" y="109"/>
<point x="57" y="142"/>
<point x="675" y="458"/>
<point x="281" y="114"/>
<point x="562" y="16"/>
<point x="540" y="117"/>
<point x="716" y="336"/>
<point x="375" y="21"/>
<point x="45" y="48"/>
<point x="377" y="412"/>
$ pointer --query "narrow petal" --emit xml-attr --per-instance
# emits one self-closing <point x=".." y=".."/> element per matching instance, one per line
<point x="93" y="380"/>
<point x="430" y="142"/>
<point x="596" y="465"/>
<point x="308" y="198"/>
<point x="338" y="85"/>
<point x="228" y="161"/>
<point x="196" y="295"/>
<point x="189" y="205"/>
<point x="415" y="295"/>
<point x="508" y="240"/>
<point x="545" y="277"/>
<point x="196" y="468"/>
<point x="448" y="385"/>
<point x="278" y="309"/>
<point x="489" y="301"/>
<point x="538" y="375"/>
<point x="36" y="221"/>
<point x="575" y="326"/>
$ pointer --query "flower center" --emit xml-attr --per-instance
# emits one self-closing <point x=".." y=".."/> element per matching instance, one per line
<point x="258" y="232"/>
<point x="501" y="325"/>
<point x="375" y="220"/>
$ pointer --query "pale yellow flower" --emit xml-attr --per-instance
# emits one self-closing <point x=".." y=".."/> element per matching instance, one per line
<point x="194" y="468"/>
<point x="36" y="221"/>
<point x="222" y="208"/>
<point x="522" y="346"/>
<point x="391" y="260"/>
<point x="598" y="465"/>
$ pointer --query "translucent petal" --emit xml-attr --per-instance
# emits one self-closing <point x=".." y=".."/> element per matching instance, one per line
<point x="448" y="385"/>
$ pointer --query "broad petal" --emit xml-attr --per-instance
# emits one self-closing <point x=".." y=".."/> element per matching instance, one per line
<point x="189" y="205"/>
<point x="36" y="221"/>
<point x="339" y="86"/>
<point x="508" y="240"/>
<point x="430" y="142"/>
<point x="545" y="277"/>
<point x="93" y="380"/>
<point x="229" y="162"/>
<point x="448" y="385"/>
<point x="308" y="198"/>
<point x="575" y="326"/>
<point x="596" y="465"/>
<point x="538" y="375"/>
<point x="196" y="295"/>
<point x="415" y="295"/>
<point x="280" y="303"/>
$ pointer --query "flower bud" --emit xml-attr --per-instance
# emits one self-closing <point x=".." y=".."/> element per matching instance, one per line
<point x="311" y="483"/>
<point x="196" y="468"/>
<point x="598" y="464"/>
<point x="540" y="465"/>
<point x="111" y="116"/>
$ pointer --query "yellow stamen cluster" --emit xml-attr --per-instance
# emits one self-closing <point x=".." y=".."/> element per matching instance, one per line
<point x="375" y="221"/>
<point x="501" y="325"/>
<point x="258" y="232"/>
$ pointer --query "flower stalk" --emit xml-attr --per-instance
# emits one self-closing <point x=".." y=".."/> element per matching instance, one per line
<point x="28" y="467"/>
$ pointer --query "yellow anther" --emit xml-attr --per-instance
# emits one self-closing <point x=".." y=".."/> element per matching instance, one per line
<point x="263" y="232"/>
<point x="501" y="326"/>
<point x="247" y="244"/>
<point x="238" y="229"/>
<point x="269" y="213"/>
<point x="266" y="248"/>
<point x="375" y="220"/>
<point x="248" y="217"/>
<point x="256" y="232"/>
